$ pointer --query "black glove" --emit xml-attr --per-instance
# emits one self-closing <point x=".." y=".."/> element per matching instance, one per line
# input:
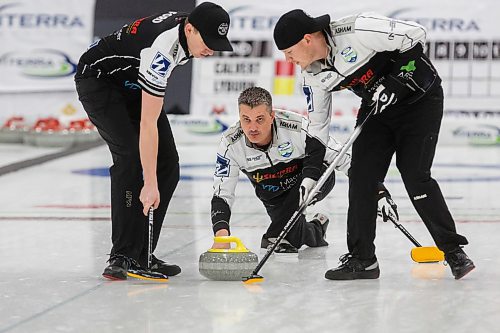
<point x="382" y="98"/>
<point x="387" y="209"/>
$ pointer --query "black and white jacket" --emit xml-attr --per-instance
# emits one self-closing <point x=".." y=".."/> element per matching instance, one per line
<point x="365" y="51"/>
<point x="292" y="155"/>
<point x="141" y="55"/>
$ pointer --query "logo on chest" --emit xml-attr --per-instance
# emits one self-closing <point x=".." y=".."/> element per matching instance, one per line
<point x="363" y="79"/>
<point x="349" y="55"/>
<point x="407" y="70"/>
<point x="285" y="149"/>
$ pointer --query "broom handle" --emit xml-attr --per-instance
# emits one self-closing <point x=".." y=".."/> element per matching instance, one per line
<point x="150" y="234"/>
<point x="405" y="232"/>
<point x="289" y="225"/>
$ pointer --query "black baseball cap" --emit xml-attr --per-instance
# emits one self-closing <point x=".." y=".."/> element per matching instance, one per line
<point x="292" y="26"/>
<point x="212" y="21"/>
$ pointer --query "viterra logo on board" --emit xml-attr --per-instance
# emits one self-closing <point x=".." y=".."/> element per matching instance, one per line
<point x="247" y="18"/>
<point x="479" y="134"/>
<point x="14" y="16"/>
<point x="39" y="63"/>
<point x="448" y="24"/>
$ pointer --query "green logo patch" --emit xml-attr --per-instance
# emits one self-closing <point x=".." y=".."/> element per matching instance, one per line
<point x="410" y="67"/>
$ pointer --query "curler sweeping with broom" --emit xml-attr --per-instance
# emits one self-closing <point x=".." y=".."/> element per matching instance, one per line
<point x="382" y="61"/>
<point x="275" y="150"/>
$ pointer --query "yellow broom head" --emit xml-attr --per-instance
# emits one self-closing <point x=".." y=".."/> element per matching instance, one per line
<point x="425" y="254"/>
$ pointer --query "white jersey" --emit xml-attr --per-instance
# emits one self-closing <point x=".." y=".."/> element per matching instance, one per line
<point x="367" y="50"/>
<point x="291" y="155"/>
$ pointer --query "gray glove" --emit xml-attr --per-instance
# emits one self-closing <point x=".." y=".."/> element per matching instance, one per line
<point x="305" y="188"/>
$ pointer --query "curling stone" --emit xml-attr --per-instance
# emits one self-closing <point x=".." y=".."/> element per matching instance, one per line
<point x="83" y="131"/>
<point x="227" y="264"/>
<point x="48" y="132"/>
<point x="13" y="130"/>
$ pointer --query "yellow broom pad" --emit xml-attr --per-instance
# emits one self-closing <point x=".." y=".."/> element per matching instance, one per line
<point x="425" y="254"/>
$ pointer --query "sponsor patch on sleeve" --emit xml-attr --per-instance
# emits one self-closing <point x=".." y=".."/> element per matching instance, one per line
<point x="160" y="64"/>
<point x="309" y="98"/>
<point x="222" y="166"/>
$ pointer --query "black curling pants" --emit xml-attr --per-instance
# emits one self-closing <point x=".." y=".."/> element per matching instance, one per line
<point x="116" y="115"/>
<point x="411" y="132"/>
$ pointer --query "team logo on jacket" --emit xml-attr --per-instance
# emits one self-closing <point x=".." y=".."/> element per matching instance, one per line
<point x="407" y="70"/>
<point x="222" y="166"/>
<point x="285" y="149"/>
<point x="349" y="54"/>
<point x="160" y="64"/>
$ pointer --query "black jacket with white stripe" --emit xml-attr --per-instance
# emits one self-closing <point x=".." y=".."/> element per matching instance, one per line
<point x="142" y="54"/>
<point x="292" y="155"/>
<point x="365" y="51"/>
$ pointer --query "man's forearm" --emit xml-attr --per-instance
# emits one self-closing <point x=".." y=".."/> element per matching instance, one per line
<point x="313" y="162"/>
<point x="148" y="137"/>
<point x="148" y="145"/>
